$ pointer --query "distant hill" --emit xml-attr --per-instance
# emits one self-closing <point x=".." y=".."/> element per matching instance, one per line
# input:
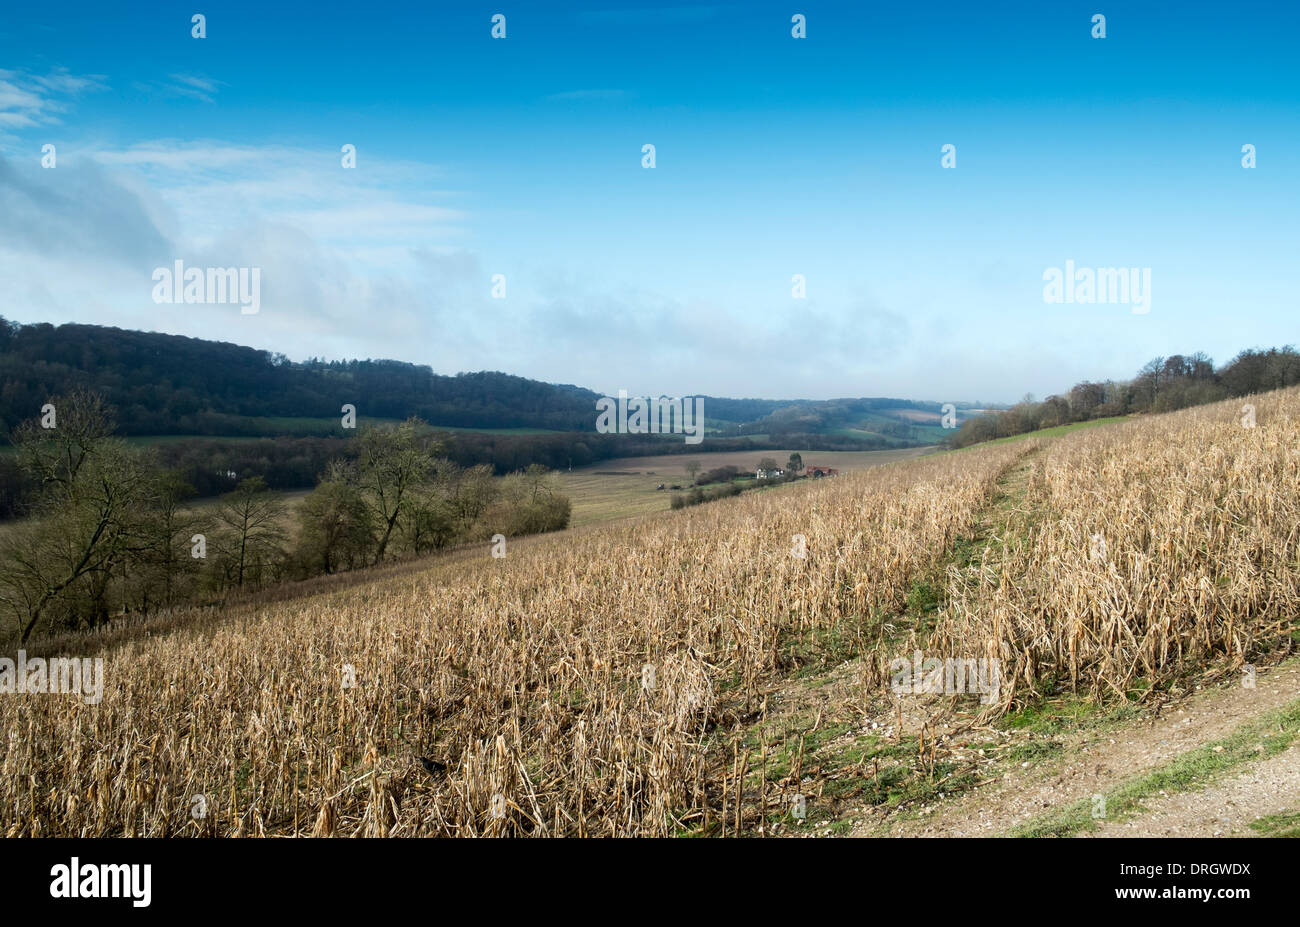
<point x="169" y="384"/>
<point x="174" y="385"/>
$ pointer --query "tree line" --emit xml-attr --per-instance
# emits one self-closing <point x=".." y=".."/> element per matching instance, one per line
<point x="1164" y="384"/>
<point x="109" y="531"/>
<point x="169" y="384"/>
<point x="721" y="482"/>
<point x="215" y="465"/>
<point x="172" y="385"/>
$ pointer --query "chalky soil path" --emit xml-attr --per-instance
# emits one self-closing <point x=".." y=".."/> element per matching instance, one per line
<point x="1116" y="760"/>
<point x="1098" y="763"/>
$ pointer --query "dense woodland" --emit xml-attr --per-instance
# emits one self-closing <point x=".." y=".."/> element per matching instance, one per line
<point x="173" y="385"/>
<point x="112" y="531"/>
<point x="168" y="384"/>
<point x="247" y="413"/>
<point x="213" y="466"/>
<point x="1162" y="385"/>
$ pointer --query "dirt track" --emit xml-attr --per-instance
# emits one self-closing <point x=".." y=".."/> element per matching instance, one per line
<point x="1093" y="764"/>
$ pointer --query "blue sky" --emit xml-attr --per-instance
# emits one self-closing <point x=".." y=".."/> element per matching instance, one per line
<point x="775" y="156"/>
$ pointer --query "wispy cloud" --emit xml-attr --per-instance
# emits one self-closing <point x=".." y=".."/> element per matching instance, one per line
<point x="176" y="155"/>
<point x="79" y="214"/>
<point x="212" y="186"/>
<point x="190" y="86"/>
<point x="374" y="261"/>
<point x="349" y="257"/>
<point x="196" y="86"/>
<point x="28" y="100"/>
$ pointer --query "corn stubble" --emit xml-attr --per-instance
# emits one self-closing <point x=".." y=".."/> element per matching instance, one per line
<point x="525" y="675"/>
<point x="1157" y="550"/>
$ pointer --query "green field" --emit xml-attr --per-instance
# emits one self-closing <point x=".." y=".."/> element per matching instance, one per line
<point x="333" y="426"/>
<point x="154" y="440"/>
<point x="497" y="431"/>
<point x="279" y="427"/>
<point x="1058" y="430"/>
<point x="626" y="486"/>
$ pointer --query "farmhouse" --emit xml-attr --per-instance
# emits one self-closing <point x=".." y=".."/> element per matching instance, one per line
<point x="821" y="471"/>
<point x="762" y="474"/>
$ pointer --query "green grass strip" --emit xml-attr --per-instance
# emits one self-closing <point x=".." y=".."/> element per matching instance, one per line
<point x="1266" y="736"/>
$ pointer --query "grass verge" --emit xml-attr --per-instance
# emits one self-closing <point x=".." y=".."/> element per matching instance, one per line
<point x="1264" y="737"/>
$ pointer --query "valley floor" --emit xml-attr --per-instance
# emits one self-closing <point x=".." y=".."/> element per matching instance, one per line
<point x="692" y="673"/>
<point x="627" y="486"/>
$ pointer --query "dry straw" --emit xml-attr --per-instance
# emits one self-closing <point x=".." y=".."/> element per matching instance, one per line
<point x="525" y="675"/>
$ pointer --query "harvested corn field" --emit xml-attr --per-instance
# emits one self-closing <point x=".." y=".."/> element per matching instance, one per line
<point x="615" y="680"/>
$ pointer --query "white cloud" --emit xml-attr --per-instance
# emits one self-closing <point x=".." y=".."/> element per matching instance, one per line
<point x="382" y="261"/>
<point x="192" y="86"/>
<point x="28" y="100"/>
<point x="339" y="250"/>
<point x="212" y="186"/>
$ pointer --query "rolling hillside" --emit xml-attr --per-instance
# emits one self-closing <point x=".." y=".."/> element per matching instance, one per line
<point x="165" y="385"/>
<point x="733" y="668"/>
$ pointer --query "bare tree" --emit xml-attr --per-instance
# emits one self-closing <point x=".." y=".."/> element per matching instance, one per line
<point x="391" y="464"/>
<point x="91" y="513"/>
<point x="166" y="569"/>
<point x="336" y="526"/>
<point x="252" y="519"/>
